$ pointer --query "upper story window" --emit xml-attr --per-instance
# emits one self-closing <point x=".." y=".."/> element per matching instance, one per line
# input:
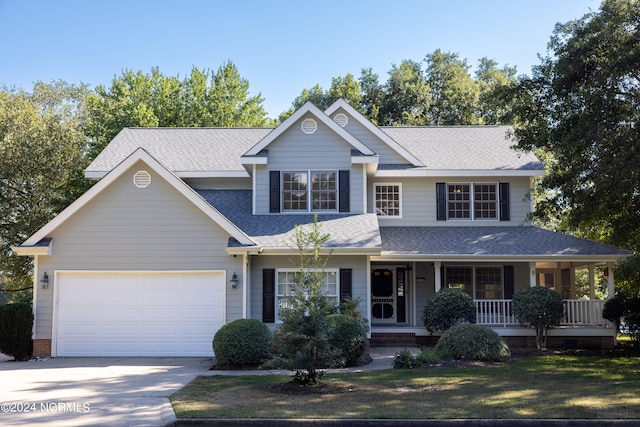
<point x="473" y="201"/>
<point x="309" y="191"/>
<point x="388" y="200"/>
<point x="304" y="191"/>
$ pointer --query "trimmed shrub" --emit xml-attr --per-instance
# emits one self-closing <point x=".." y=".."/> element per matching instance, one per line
<point x="540" y="308"/>
<point x="446" y="308"/>
<point x="471" y="342"/>
<point x="16" y="323"/>
<point x="242" y="342"/>
<point x="348" y="334"/>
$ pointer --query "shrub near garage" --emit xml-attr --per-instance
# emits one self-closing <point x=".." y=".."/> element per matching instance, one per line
<point x="471" y="342"/>
<point x="16" y="322"/>
<point x="242" y="342"/>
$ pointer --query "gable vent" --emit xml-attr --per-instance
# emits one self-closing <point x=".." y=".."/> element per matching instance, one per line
<point x="142" y="179"/>
<point x="309" y="126"/>
<point x="341" y="119"/>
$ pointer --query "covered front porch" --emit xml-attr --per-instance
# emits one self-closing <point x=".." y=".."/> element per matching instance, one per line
<point x="491" y="264"/>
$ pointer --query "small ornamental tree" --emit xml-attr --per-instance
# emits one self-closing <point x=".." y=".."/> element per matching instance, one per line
<point x="304" y="334"/>
<point x="448" y="307"/>
<point x="539" y="308"/>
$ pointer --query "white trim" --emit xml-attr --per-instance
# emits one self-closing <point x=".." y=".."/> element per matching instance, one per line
<point x="254" y="183"/>
<point x="309" y="191"/>
<point x="341" y="103"/>
<point x="424" y="172"/>
<point x="375" y="198"/>
<point x="254" y="160"/>
<point x="141" y="155"/>
<point x="322" y="117"/>
<point x="94" y="175"/>
<point x="360" y="160"/>
<point x="32" y="250"/>
<point x="498" y="258"/>
<point x="365" y="186"/>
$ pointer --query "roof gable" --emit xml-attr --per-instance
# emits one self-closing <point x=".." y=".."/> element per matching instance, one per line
<point x="138" y="155"/>
<point x="341" y="104"/>
<point x="318" y="114"/>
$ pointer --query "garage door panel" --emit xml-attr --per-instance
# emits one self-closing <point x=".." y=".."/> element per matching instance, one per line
<point x="138" y="314"/>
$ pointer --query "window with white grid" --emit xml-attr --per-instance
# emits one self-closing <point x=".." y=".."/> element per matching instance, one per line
<point x="388" y="200"/>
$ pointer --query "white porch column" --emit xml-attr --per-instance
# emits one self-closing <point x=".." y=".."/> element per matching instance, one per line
<point x="610" y="281"/>
<point x="438" y="276"/>
<point x="532" y="274"/>
<point x="592" y="280"/>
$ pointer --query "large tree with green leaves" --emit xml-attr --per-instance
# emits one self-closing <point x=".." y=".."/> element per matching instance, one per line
<point x="203" y="99"/>
<point x="437" y="91"/>
<point x="42" y="157"/>
<point x="581" y="108"/>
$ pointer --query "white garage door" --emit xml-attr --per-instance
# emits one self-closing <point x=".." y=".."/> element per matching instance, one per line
<point x="138" y="314"/>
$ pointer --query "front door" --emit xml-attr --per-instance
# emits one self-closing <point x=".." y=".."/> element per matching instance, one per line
<point x="388" y="295"/>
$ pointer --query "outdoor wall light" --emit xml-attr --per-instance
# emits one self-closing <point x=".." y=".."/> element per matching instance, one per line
<point x="44" y="282"/>
<point x="234" y="280"/>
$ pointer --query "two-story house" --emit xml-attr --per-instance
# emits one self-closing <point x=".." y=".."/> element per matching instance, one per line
<point x="187" y="229"/>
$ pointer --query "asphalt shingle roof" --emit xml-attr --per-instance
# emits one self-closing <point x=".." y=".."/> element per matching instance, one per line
<point x="489" y="241"/>
<point x="220" y="149"/>
<point x="357" y="231"/>
<point x="182" y="149"/>
<point x="463" y="147"/>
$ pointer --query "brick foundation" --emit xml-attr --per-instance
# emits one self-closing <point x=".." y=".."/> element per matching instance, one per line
<point x="41" y="348"/>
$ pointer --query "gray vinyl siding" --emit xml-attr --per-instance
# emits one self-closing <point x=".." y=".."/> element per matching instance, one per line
<point x="358" y="264"/>
<point x="127" y="228"/>
<point x="387" y="155"/>
<point x="297" y="151"/>
<point x="419" y="201"/>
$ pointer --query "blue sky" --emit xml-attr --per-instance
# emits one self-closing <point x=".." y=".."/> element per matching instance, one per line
<point x="281" y="47"/>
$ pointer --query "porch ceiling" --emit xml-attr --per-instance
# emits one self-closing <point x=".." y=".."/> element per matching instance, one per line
<point x="520" y="242"/>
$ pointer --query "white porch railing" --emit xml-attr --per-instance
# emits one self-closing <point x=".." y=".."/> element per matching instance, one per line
<point x="577" y="312"/>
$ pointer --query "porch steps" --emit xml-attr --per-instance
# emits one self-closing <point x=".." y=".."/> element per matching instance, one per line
<point x="393" y="339"/>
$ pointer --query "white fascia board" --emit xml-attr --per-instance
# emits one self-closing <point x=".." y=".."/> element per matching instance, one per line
<point x="32" y="250"/>
<point x="324" y="252"/>
<point x="308" y="107"/>
<point x="363" y="160"/>
<point x="498" y="258"/>
<point x="95" y="174"/>
<point x="141" y="155"/>
<point x="401" y="151"/>
<point x="420" y="172"/>
<point x="184" y="174"/>
<point x="254" y="160"/>
<point x="213" y="174"/>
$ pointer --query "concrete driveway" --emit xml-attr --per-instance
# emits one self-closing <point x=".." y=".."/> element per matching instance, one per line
<point x="70" y="391"/>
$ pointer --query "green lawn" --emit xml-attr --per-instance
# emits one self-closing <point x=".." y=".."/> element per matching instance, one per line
<point x="535" y="387"/>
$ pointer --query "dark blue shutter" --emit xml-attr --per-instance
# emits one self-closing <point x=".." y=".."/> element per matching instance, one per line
<point x="441" y="201"/>
<point x="505" y="211"/>
<point x="344" y="196"/>
<point x="274" y="191"/>
<point x="509" y="281"/>
<point x="346" y="289"/>
<point x="268" y="295"/>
